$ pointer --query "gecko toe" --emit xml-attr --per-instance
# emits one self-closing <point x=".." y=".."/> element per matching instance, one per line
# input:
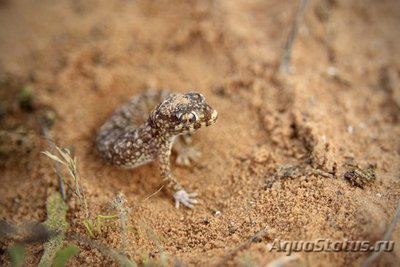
<point x="187" y="199"/>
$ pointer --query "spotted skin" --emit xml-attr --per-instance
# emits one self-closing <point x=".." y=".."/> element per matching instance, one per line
<point x="144" y="129"/>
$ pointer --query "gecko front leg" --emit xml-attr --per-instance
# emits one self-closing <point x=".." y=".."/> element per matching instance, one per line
<point x="180" y="195"/>
<point x="186" y="155"/>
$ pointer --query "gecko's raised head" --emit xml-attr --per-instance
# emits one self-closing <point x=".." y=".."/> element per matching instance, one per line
<point x="182" y="113"/>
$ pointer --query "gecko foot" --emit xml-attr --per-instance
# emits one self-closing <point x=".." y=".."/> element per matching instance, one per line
<point x="185" y="198"/>
<point x="187" y="156"/>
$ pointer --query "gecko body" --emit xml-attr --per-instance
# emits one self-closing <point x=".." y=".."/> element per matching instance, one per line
<point x="144" y="129"/>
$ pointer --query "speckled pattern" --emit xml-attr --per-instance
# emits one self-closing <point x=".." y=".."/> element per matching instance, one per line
<point x="144" y="128"/>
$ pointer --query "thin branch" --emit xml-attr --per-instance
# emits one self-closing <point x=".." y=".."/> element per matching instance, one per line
<point x="287" y="52"/>
<point x="371" y="258"/>
<point x="256" y="237"/>
<point x="153" y="194"/>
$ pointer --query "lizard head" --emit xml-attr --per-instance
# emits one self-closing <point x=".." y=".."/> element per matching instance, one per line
<point x="183" y="113"/>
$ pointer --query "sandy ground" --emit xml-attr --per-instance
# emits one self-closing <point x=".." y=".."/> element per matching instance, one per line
<point x="306" y="156"/>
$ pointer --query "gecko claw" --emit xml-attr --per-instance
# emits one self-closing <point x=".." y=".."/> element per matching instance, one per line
<point x="187" y="199"/>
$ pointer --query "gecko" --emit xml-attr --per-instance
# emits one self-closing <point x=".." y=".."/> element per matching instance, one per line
<point x="144" y="129"/>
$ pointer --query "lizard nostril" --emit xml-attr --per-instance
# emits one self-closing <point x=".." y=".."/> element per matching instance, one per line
<point x="214" y="115"/>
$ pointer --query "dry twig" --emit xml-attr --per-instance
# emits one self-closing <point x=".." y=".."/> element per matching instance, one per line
<point x="287" y="52"/>
<point x="371" y="258"/>
<point x="255" y="238"/>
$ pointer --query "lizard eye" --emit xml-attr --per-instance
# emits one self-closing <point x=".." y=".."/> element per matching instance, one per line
<point x="182" y="117"/>
<point x="188" y="117"/>
<point x="192" y="117"/>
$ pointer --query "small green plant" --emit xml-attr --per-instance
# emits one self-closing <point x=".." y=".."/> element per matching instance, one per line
<point x="94" y="226"/>
<point x="17" y="254"/>
<point x="56" y="221"/>
<point x="56" y="227"/>
<point x="25" y="98"/>
<point x="119" y="205"/>
<point x="63" y="255"/>
<point x="69" y="162"/>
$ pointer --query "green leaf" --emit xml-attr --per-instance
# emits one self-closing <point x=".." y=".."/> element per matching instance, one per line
<point x="25" y="98"/>
<point x="64" y="255"/>
<point x="56" y="221"/>
<point x="17" y="253"/>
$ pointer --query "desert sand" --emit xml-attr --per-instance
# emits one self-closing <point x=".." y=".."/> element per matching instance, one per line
<point x="305" y="155"/>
